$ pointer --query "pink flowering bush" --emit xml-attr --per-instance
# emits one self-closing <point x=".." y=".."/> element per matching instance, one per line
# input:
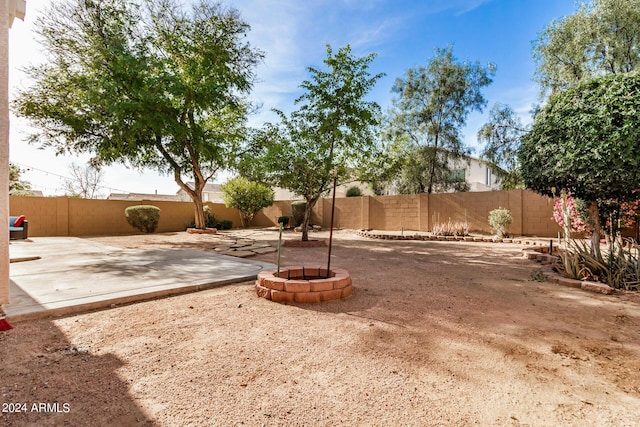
<point x="567" y="214"/>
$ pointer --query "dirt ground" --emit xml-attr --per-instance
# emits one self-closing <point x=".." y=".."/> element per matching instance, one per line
<point x="436" y="333"/>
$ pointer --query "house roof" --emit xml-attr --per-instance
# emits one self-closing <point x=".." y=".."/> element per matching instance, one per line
<point x="208" y="187"/>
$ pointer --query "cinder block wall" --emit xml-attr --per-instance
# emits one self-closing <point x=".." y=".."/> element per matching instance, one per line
<point x="394" y="212"/>
<point x="538" y="211"/>
<point x="62" y="216"/>
<point x="474" y="208"/>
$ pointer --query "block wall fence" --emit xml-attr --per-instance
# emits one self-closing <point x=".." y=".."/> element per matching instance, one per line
<point x="63" y="216"/>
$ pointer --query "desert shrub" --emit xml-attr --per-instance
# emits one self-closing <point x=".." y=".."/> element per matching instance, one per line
<point x="499" y="219"/>
<point x="618" y="267"/>
<point x="354" y="192"/>
<point x="297" y="211"/>
<point x="284" y="220"/>
<point x="224" y="224"/>
<point x="210" y="220"/>
<point x="451" y="228"/>
<point x="143" y="217"/>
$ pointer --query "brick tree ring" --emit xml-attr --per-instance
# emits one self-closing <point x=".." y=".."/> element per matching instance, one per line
<point x="304" y="284"/>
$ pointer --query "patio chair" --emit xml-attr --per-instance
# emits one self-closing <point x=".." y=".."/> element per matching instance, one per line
<point x="18" y="227"/>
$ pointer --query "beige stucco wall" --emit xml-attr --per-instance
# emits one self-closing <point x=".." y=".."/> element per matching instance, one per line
<point x="4" y="150"/>
<point x="62" y="216"/>
<point x="9" y="10"/>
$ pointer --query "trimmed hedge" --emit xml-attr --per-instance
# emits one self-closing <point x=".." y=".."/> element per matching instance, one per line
<point x="143" y="217"/>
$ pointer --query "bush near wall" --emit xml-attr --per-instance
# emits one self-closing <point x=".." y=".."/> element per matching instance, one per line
<point x="143" y="217"/>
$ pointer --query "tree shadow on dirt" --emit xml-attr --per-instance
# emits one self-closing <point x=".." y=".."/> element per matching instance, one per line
<point x="49" y="387"/>
<point x="463" y="302"/>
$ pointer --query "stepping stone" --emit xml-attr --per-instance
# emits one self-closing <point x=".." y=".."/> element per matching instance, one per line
<point x="240" y="254"/>
<point x="265" y="250"/>
<point x="256" y="246"/>
<point x="242" y="244"/>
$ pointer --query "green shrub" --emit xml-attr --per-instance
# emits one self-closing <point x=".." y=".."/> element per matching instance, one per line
<point x="354" y="192"/>
<point x="143" y="217"/>
<point x="499" y="219"/>
<point x="225" y="224"/>
<point x="247" y="197"/>
<point x="284" y="220"/>
<point x="210" y="220"/>
<point x="297" y="210"/>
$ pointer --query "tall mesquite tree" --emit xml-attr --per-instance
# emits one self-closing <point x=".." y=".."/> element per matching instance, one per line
<point x="602" y="37"/>
<point x="150" y="84"/>
<point x="333" y="131"/>
<point x="432" y="104"/>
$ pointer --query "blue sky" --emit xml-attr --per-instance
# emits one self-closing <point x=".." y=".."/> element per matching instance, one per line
<point x="293" y="34"/>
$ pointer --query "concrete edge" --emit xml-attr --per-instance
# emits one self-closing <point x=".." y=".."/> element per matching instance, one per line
<point x="125" y="300"/>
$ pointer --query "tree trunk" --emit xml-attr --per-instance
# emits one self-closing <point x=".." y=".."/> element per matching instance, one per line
<point x="245" y="219"/>
<point x="594" y="218"/>
<point x="307" y="218"/>
<point x="196" y="197"/>
<point x="433" y="165"/>
<point x="199" y="212"/>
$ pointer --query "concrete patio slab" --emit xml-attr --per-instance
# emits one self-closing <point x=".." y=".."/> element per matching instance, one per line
<point x="67" y="275"/>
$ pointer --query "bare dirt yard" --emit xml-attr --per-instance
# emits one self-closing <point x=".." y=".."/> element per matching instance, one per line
<point x="436" y="333"/>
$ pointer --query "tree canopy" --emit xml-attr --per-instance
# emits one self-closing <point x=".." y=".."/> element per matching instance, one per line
<point x="585" y="140"/>
<point x="150" y="85"/>
<point x="332" y="130"/>
<point x="602" y="37"/>
<point x="246" y="196"/>
<point x="431" y="107"/>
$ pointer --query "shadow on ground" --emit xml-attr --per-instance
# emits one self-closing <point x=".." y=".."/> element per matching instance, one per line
<point x="38" y="385"/>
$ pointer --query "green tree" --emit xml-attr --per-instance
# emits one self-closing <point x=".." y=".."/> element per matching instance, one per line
<point x="150" y="85"/>
<point x="585" y="140"/>
<point x="418" y="166"/>
<point x="502" y="136"/>
<point x="17" y="186"/>
<point x="431" y="107"/>
<point x="602" y="37"/>
<point x="246" y="196"/>
<point x="333" y="131"/>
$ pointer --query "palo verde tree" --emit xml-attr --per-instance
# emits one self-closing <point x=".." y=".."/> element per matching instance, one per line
<point x="585" y="140"/>
<point x="149" y="84"/>
<point x="333" y="131"/>
<point x="602" y="37"/>
<point x="502" y="136"/>
<point x="431" y="107"/>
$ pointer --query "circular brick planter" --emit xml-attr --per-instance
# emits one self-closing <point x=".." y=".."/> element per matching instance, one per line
<point x="306" y="284"/>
